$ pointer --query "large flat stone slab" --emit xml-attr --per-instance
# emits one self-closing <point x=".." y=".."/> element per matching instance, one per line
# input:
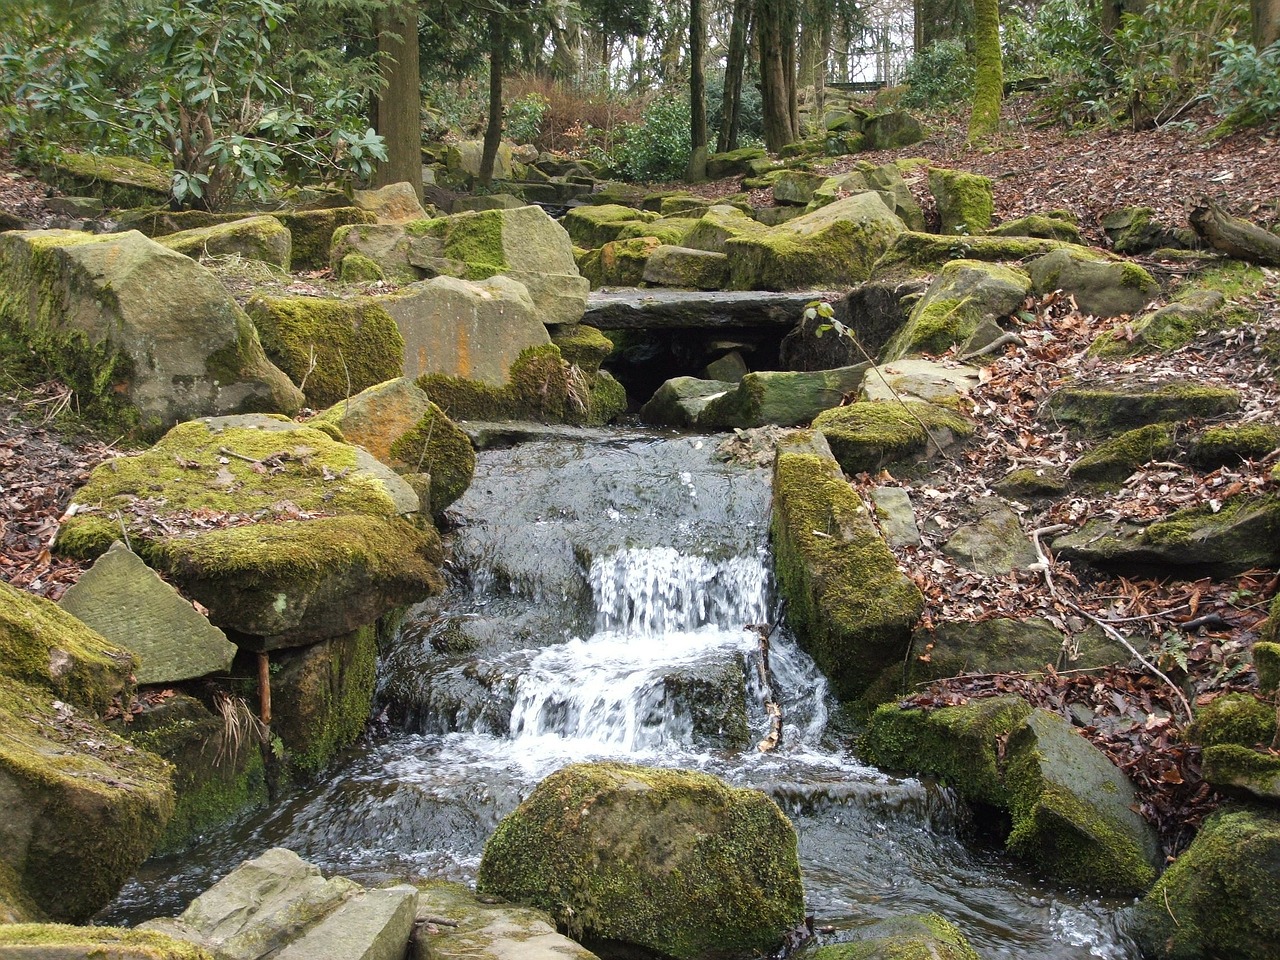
<point x="472" y="930"/>
<point x="683" y="309"/>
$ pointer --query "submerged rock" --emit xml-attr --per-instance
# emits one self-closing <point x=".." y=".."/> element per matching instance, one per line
<point x="480" y="930"/>
<point x="669" y="861"/>
<point x="902" y="938"/>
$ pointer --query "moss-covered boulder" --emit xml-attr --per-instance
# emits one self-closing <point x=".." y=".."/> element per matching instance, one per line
<point x="886" y="180"/>
<point x="595" y="225"/>
<point x="965" y="202"/>
<point x="1115" y="459"/>
<point x="670" y="266"/>
<point x="51" y="941"/>
<point x="619" y="263"/>
<point x="869" y="435"/>
<point x="330" y="348"/>
<point x="1244" y="533"/>
<point x="720" y="224"/>
<point x="285" y="535"/>
<point x="679" y="402"/>
<point x="118" y="181"/>
<point x="1102" y="287"/>
<point x="669" y="230"/>
<point x="85" y="309"/>
<point x="913" y="253"/>
<point x="582" y="346"/>
<point x="1134" y="230"/>
<point x="1238" y="718"/>
<point x="849" y="604"/>
<point x="891" y="130"/>
<point x="254" y="238"/>
<point x="965" y="293"/>
<point x="1219" y="897"/>
<point x="733" y="163"/>
<point x="834" y="246"/>
<point x="1166" y="328"/>
<point x="1246" y="771"/>
<point x="902" y="938"/>
<point x="464" y="158"/>
<point x="313" y="230"/>
<point x="1229" y="445"/>
<point x="780" y="398"/>
<point x="393" y="203"/>
<point x="795" y="187"/>
<point x="1120" y="404"/>
<point x="990" y="539"/>
<point x="397" y="423"/>
<point x="1032" y="483"/>
<point x="1037" y="225"/>
<point x="1266" y="653"/>
<point x="669" y="861"/>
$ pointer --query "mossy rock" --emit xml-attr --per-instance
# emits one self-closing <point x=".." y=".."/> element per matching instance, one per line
<point x="962" y="296"/>
<point x="312" y="232"/>
<point x="1228" y="446"/>
<point x="922" y="937"/>
<point x="331" y="348"/>
<point x="961" y="745"/>
<point x="437" y="446"/>
<point x="312" y="543"/>
<point x="595" y="225"/>
<point x="1243" y="770"/>
<point x="117" y="181"/>
<point x="670" y="230"/>
<point x="41" y="645"/>
<point x="1219" y="897"/>
<point x="720" y="224"/>
<point x="50" y="941"/>
<point x="849" y="605"/>
<point x="357" y="268"/>
<point x="1266" y="652"/>
<point x="1113" y="460"/>
<point x="682" y="267"/>
<point x="670" y="861"/>
<point x="1238" y="718"/>
<point x="1119" y="405"/>
<point x="733" y="163"/>
<point x="80" y="802"/>
<point x="254" y="238"/>
<point x="794" y="187"/>
<point x="965" y="202"/>
<point x="867" y="436"/>
<point x="785" y="398"/>
<point x="1037" y="225"/>
<point x="1133" y="230"/>
<point x="891" y="130"/>
<point x="619" y="263"/>
<point x="914" y="253"/>
<point x="1102" y="287"/>
<point x="1032" y="483"/>
<point x="582" y="346"/>
<point x="1172" y="326"/>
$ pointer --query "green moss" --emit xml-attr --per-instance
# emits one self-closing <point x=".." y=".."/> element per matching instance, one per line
<point x="1229" y="445"/>
<point x="118" y="181"/>
<point x="582" y="346"/>
<point x="1039" y="225"/>
<point x="312" y="232"/>
<point x="1115" y="459"/>
<point x="849" y="605"/>
<point x="922" y="937"/>
<point x="1032" y="482"/>
<point x="1234" y="279"/>
<point x="1100" y="410"/>
<point x="963" y="745"/>
<point x="608" y="400"/>
<point x="912" y="254"/>
<point x="1233" y="718"/>
<point x="783" y="258"/>
<point x="965" y="201"/>
<point x="1266" y="653"/>
<point x="357" y="268"/>
<point x="722" y="878"/>
<point x="437" y="446"/>
<point x="331" y="348"/>
<point x="866" y="436"/>
<point x="41" y="645"/>
<point x="1233" y="765"/>
<point x="595" y="225"/>
<point x="617" y="263"/>
<point x="96" y="942"/>
<point x="1188" y="528"/>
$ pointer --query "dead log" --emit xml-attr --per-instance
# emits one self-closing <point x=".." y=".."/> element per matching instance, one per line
<point x="1233" y="236"/>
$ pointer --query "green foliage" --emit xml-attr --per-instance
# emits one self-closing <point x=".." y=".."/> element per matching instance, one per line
<point x="221" y="88"/>
<point x="523" y="121"/>
<point x="939" y="75"/>
<point x="656" y="148"/>
<point x="750" y="110"/>
<point x="1246" y="88"/>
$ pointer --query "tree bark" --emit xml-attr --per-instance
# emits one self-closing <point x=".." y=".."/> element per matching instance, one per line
<point x="697" y="93"/>
<point x="493" y="132"/>
<point x="1266" y="22"/>
<point x="1235" y="237"/>
<point x="398" y="110"/>
<point x="735" y="63"/>
<point x="777" y="71"/>
<point x="989" y="76"/>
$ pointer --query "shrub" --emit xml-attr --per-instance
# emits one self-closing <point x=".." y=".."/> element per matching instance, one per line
<point x="1246" y="87"/>
<point x="523" y="120"/>
<point x="940" y="74"/>
<point x="656" y="148"/>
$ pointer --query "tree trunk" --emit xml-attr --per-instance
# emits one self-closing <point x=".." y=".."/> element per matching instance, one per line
<point x="735" y="63"/>
<point x="1266" y="22"/>
<point x="398" y="110"/>
<point x="775" y="23"/>
<point x="493" y="132"/>
<point x="989" y="76"/>
<point x="697" y="93"/>
<point x="1113" y="12"/>
<point x="1237" y="238"/>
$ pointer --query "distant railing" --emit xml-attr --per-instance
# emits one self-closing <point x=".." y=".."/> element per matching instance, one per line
<point x="859" y="86"/>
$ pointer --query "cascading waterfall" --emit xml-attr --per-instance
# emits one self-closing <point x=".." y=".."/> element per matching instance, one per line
<point x="611" y="581"/>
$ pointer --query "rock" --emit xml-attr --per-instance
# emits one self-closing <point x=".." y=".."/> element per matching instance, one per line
<point x="915" y="378"/>
<point x="991" y="540"/>
<point x="965" y="202"/>
<point x="1112" y="461"/>
<point x="398" y="424"/>
<point x="488" y="201"/>
<point x="780" y="397"/>
<point x="1039" y="226"/>
<point x="254" y="238"/>
<point x="357" y="268"/>
<point x="1240" y="536"/>
<point x="680" y="401"/>
<point x="124" y="600"/>
<point x="88" y="308"/>
<point x="891" y="130"/>
<point x="597" y="224"/>
<point x="463" y="159"/>
<point x="313" y="232"/>
<point x="734" y="163"/>
<point x="731" y="368"/>
<point x="373" y="925"/>
<point x="670" y="861"/>
<point x="885" y="180"/>
<point x="1266" y="653"/>
<point x="681" y="309"/>
<point x="902" y="938"/>
<point x="896" y="516"/>
<point x="487" y="931"/>
<point x="1104" y="288"/>
<point x="77" y="208"/>
<point x="330" y="348"/>
<point x="1228" y="446"/>
<point x="835" y="245"/>
<point x="1164" y="329"/>
<point x="849" y="605"/>
<point x="912" y="254"/>
<point x="582" y="346"/>
<point x="669" y="266"/>
<point x="1218" y="897"/>
<point x="869" y="435"/>
<point x="1233" y="718"/>
<point x="796" y="187"/>
<point x="391" y="247"/>
<point x="1133" y="230"/>
<point x="463" y="329"/>
<point x="117" y="181"/>
<point x="619" y="263"/>
<point x="965" y="293"/>
<point x="311" y="547"/>
<point x="36" y="941"/>
<point x="1120" y="404"/>
<point x="1237" y="769"/>
<point x="873" y="312"/>
<point x="1032" y="483"/>
<point x="720" y="224"/>
<point x="394" y="203"/>
<point x="1235" y="237"/>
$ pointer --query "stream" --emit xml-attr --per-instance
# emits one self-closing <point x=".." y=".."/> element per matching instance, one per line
<point x="601" y="584"/>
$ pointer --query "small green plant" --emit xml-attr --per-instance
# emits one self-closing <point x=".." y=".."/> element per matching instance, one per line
<point x="656" y="148"/>
<point x="1246" y="87"/>
<point x="523" y="121"/>
<point x="939" y="75"/>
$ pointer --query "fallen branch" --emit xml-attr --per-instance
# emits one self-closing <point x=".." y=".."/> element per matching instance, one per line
<point x="773" y="738"/>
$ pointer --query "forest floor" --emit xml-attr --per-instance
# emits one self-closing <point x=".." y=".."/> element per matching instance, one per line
<point x="1199" y="631"/>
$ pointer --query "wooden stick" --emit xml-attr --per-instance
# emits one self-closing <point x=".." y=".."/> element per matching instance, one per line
<point x="264" y="688"/>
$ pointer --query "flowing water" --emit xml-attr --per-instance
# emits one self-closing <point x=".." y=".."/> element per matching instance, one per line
<point x="602" y="589"/>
